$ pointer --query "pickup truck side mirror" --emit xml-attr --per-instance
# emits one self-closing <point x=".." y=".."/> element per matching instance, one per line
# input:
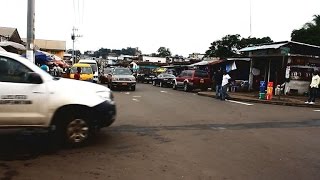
<point x="35" y="78"/>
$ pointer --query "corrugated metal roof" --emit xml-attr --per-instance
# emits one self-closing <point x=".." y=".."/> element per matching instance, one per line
<point x="204" y="63"/>
<point x="238" y="59"/>
<point x="268" y="46"/>
<point x="7" y="31"/>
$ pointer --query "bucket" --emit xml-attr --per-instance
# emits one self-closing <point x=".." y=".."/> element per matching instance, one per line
<point x="262" y="95"/>
<point x="262" y="89"/>
<point x="270" y="84"/>
<point x="269" y="96"/>
<point x="262" y="84"/>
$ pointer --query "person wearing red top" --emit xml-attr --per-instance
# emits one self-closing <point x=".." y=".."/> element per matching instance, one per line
<point x="77" y="74"/>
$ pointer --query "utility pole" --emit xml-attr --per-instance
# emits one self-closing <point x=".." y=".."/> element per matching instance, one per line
<point x="250" y="19"/>
<point x="30" y="30"/>
<point x="73" y="37"/>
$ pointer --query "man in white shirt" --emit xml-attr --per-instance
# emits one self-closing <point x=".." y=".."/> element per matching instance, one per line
<point x="314" y="86"/>
<point x="225" y="83"/>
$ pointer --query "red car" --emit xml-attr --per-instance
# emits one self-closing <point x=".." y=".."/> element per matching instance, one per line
<point x="192" y="79"/>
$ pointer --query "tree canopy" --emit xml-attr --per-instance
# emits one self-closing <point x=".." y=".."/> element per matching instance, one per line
<point x="309" y="33"/>
<point x="229" y="45"/>
<point x="104" y="52"/>
<point x="164" y="52"/>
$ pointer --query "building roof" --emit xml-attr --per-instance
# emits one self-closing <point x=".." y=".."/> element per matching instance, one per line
<point x="49" y="44"/>
<point x="7" y="31"/>
<point x="275" y="45"/>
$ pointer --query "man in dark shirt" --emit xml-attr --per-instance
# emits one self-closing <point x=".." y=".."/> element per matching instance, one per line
<point x="77" y="74"/>
<point x="218" y="80"/>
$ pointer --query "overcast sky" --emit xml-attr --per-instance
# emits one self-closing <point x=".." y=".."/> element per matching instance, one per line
<point x="184" y="26"/>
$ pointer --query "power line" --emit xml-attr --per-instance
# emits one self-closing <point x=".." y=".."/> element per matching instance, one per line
<point x="78" y="11"/>
<point x="250" y="19"/>
<point x="82" y="11"/>
<point x="74" y="12"/>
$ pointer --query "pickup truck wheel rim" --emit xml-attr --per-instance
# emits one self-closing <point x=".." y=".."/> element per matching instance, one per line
<point x="77" y="131"/>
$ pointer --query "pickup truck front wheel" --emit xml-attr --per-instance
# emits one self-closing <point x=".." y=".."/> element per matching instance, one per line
<point x="72" y="127"/>
<point x="77" y="131"/>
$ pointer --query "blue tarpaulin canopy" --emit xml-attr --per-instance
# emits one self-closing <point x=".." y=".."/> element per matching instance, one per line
<point x="40" y="57"/>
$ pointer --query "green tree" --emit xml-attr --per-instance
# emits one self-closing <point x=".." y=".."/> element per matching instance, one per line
<point x="229" y="45"/>
<point x="309" y="33"/>
<point x="76" y="52"/>
<point x="164" y="52"/>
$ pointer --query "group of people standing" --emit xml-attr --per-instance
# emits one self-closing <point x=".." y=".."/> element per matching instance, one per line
<point x="222" y="80"/>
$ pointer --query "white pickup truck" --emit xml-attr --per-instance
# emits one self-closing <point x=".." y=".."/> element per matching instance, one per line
<point x="70" y="110"/>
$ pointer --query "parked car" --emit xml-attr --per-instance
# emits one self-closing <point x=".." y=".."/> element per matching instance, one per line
<point x="163" y="80"/>
<point x="145" y="78"/>
<point x="122" y="77"/>
<point x="105" y="75"/>
<point x="68" y="110"/>
<point x="192" y="79"/>
<point x="94" y="66"/>
<point x="86" y="72"/>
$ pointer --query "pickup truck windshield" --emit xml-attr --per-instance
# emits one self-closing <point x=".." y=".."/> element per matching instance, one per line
<point x="122" y="72"/>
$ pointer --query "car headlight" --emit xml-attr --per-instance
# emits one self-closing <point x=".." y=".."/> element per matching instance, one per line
<point x="106" y="95"/>
<point x="133" y="79"/>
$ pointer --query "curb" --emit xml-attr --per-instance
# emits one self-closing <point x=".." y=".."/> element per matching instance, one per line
<point x="264" y="101"/>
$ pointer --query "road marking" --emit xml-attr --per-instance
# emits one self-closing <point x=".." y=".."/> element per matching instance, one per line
<point x="164" y="91"/>
<point x="317" y="110"/>
<point x="136" y="96"/>
<point x="238" y="102"/>
<point x="135" y="100"/>
<point x="127" y="93"/>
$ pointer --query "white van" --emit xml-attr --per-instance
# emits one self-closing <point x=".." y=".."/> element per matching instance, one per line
<point x="70" y="110"/>
<point x="94" y="66"/>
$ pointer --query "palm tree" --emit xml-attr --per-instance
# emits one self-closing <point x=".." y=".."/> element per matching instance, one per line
<point x="309" y="33"/>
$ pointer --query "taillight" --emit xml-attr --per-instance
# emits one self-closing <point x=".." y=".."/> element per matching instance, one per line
<point x="190" y="80"/>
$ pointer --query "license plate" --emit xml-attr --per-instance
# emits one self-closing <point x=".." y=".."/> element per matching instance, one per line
<point x="201" y="81"/>
<point x="165" y="79"/>
<point x="124" y="84"/>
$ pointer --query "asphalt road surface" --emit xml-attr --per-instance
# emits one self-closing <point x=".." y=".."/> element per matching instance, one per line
<point x="165" y="134"/>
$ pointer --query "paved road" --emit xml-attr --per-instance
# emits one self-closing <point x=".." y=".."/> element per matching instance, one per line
<point x="165" y="134"/>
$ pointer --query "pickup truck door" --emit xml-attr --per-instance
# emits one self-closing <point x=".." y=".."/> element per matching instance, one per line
<point x="21" y="102"/>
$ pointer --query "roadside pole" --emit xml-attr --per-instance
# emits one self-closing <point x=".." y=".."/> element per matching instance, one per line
<point x="73" y="38"/>
<point x="30" y="30"/>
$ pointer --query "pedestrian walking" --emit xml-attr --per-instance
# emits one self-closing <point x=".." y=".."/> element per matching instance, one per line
<point x="45" y="68"/>
<point x="225" y="83"/>
<point x="314" y="86"/>
<point x="218" y="80"/>
<point x="77" y="74"/>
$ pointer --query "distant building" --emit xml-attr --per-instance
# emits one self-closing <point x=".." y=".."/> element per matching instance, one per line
<point x="10" y="34"/>
<point x="55" y="47"/>
<point x="153" y="59"/>
<point x="196" y="56"/>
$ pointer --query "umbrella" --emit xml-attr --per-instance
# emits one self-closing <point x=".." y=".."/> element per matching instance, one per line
<point x="160" y="70"/>
<point x="12" y="44"/>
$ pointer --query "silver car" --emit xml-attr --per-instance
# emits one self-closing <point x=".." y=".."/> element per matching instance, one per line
<point x="122" y="78"/>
